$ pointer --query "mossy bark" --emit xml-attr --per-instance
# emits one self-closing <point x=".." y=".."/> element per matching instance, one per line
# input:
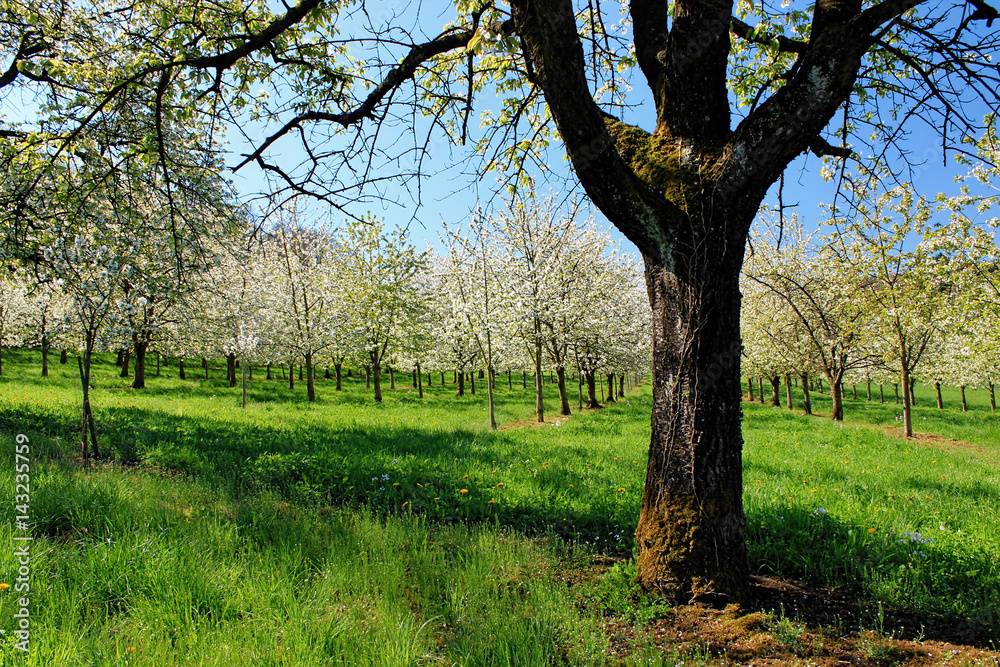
<point x="692" y="529"/>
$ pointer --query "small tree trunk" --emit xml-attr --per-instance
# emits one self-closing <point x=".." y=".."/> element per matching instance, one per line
<point x="965" y="406"/>
<point x="539" y="403"/>
<point x="913" y="393"/>
<point x="337" y="372"/>
<point x="750" y="389"/>
<point x="88" y="424"/>
<point x="120" y="358"/>
<point x="993" y="399"/>
<point x="760" y="389"/>
<point x="611" y="388"/>
<point x="524" y="379"/>
<point x="579" y="388"/>
<point x="895" y="387"/>
<point x="140" y="345"/>
<point x="270" y="375"/>
<point x="291" y="375"/>
<point x="621" y="385"/>
<point x="869" y="391"/>
<point x="806" y="403"/>
<point x="854" y="391"/>
<point x="510" y="380"/>
<point x="243" y="385"/>
<point x="310" y="382"/>
<point x="392" y="377"/>
<point x="775" y="391"/>
<point x="788" y="391"/>
<point x="125" y="362"/>
<point x="472" y="383"/>
<point x="420" y="382"/>
<point x="180" y="368"/>
<point x="326" y="373"/>
<point x="881" y="393"/>
<point x="157" y="363"/>
<point x="63" y="357"/>
<point x="45" y="355"/>
<point x="231" y="368"/>
<point x="368" y="377"/>
<point x="204" y="363"/>
<point x="937" y="391"/>
<point x="377" y="381"/>
<point x="460" y="377"/>
<point x="300" y="372"/>
<point x="414" y="377"/>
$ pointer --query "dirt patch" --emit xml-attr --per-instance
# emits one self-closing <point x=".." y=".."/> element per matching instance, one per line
<point x="933" y="440"/>
<point x="788" y="623"/>
<point x="534" y="423"/>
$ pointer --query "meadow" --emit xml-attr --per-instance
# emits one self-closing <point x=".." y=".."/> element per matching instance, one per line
<point x="347" y="532"/>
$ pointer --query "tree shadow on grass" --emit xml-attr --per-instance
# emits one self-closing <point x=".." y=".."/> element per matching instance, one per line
<point x="944" y="587"/>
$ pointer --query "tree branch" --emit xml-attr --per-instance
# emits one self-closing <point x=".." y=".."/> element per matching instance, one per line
<point x="418" y="55"/>
<point x="785" y="45"/>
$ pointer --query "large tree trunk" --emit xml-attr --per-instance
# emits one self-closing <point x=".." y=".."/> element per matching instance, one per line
<point x="563" y="395"/>
<point x="692" y="529"/>
<point x="63" y="357"/>
<point x="837" y="394"/>
<point x="592" y="403"/>
<point x="125" y="362"/>
<point x="611" y="388"/>
<point x="775" y="390"/>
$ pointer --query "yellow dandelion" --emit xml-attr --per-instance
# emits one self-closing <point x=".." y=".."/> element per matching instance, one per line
<point x="871" y="530"/>
<point x="490" y="501"/>
<point x="420" y="485"/>
<point x="500" y="484"/>
<point x="406" y="503"/>
<point x="130" y="649"/>
<point x="4" y="587"/>
<point x="395" y="483"/>
<point x="465" y="477"/>
<point x="571" y="486"/>
<point x="437" y="499"/>
<point x="463" y="490"/>
<point x="620" y="489"/>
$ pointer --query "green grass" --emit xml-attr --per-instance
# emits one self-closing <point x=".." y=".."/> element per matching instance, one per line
<point x="339" y="532"/>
